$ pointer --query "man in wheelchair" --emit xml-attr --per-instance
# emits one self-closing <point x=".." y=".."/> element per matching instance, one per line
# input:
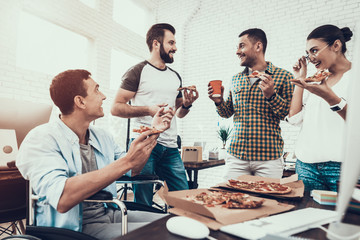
<point x="68" y="160"/>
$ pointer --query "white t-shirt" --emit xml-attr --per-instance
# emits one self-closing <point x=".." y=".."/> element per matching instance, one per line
<point x="322" y="130"/>
<point x="153" y="86"/>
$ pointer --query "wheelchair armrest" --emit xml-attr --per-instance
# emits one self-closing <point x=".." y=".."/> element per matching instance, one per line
<point x="141" y="207"/>
<point x="18" y="237"/>
<point x="101" y="195"/>
<point x="56" y="233"/>
<point x="106" y="197"/>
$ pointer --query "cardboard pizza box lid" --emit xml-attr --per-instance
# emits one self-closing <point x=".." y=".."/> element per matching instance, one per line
<point x="296" y="185"/>
<point x="217" y="216"/>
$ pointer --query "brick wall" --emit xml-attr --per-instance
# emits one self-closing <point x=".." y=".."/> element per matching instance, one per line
<point x="206" y="38"/>
<point x="207" y="49"/>
<point x="94" y="23"/>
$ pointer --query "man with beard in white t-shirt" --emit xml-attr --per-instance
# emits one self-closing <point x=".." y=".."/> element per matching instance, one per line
<point x="149" y="85"/>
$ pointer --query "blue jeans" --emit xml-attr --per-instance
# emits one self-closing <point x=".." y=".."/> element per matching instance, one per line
<point x="167" y="164"/>
<point x="320" y="176"/>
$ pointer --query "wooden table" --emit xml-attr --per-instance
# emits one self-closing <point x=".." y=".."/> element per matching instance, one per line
<point x="196" y="166"/>
<point x="157" y="230"/>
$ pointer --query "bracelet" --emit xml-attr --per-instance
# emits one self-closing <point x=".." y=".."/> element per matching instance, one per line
<point x="340" y="106"/>
<point x="187" y="108"/>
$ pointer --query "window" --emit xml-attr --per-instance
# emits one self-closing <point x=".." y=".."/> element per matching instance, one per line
<point x="48" y="48"/>
<point x="132" y="16"/>
<point x="120" y="63"/>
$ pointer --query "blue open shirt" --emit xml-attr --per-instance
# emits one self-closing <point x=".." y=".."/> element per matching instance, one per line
<point x="48" y="156"/>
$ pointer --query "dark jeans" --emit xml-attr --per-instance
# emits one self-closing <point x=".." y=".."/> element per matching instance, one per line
<point x="320" y="176"/>
<point x="168" y="165"/>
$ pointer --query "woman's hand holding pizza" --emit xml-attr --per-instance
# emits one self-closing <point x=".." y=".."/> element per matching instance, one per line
<point x="322" y="90"/>
<point x="319" y="88"/>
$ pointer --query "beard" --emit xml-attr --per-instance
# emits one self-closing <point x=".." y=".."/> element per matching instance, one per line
<point x="166" y="56"/>
<point x="249" y="61"/>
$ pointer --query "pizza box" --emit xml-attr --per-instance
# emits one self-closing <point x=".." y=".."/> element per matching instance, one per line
<point x="217" y="216"/>
<point x="192" y="154"/>
<point x="292" y="181"/>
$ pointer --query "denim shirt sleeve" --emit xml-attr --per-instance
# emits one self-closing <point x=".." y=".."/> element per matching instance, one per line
<point x="49" y="155"/>
<point x="40" y="160"/>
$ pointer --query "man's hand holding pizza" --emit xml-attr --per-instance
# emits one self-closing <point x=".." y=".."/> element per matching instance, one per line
<point x="266" y="85"/>
<point x="189" y="96"/>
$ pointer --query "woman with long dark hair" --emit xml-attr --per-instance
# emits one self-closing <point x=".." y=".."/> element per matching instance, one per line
<point x="320" y="108"/>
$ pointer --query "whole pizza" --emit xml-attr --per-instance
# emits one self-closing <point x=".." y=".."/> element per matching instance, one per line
<point x="232" y="200"/>
<point x="260" y="186"/>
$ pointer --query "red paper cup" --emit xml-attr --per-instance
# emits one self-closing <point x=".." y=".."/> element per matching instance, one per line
<point x="216" y="86"/>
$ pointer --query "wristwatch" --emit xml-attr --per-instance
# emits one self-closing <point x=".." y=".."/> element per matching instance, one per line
<point x="183" y="106"/>
<point x="340" y="106"/>
<point x="271" y="98"/>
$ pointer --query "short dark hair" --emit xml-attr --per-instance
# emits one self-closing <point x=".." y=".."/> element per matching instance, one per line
<point x="156" y="32"/>
<point x="65" y="86"/>
<point x="330" y="33"/>
<point x="255" y="35"/>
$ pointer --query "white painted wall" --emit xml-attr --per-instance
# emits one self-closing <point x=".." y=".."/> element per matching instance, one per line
<point x="207" y="33"/>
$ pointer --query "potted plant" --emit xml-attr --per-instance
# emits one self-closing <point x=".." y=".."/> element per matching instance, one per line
<point x="224" y="134"/>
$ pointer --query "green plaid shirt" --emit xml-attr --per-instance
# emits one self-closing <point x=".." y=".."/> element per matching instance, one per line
<point x="257" y="133"/>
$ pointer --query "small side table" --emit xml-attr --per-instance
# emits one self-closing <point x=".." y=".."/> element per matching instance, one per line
<point x="194" y="167"/>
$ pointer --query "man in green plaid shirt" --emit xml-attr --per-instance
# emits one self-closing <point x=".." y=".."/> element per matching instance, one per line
<point x="258" y="103"/>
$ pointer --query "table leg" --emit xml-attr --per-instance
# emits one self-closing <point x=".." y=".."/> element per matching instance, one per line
<point x="190" y="182"/>
<point x="195" y="184"/>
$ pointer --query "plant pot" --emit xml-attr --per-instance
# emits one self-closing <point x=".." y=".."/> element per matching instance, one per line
<point x="222" y="153"/>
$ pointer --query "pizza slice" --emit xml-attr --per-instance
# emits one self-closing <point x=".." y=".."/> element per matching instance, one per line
<point x="316" y="78"/>
<point x="146" y="128"/>
<point x="244" y="204"/>
<point x="192" y="87"/>
<point x="256" y="74"/>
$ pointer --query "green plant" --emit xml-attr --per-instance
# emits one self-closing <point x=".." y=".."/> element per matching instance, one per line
<point x="224" y="134"/>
